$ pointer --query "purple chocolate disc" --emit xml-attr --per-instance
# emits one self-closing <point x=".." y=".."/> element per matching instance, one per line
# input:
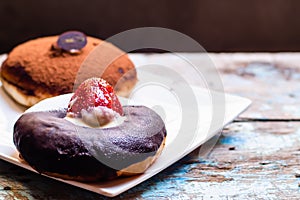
<point x="72" y="41"/>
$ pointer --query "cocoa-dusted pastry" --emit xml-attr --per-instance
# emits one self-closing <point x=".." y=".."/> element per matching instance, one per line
<point x="70" y="144"/>
<point x="49" y="66"/>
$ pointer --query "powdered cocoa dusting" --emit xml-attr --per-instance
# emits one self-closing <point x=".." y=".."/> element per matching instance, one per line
<point x="35" y="65"/>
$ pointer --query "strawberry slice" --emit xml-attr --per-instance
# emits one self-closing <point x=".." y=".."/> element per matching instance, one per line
<point x="94" y="92"/>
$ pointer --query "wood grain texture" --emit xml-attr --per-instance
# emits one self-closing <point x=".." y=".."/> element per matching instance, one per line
<point x="256" y="157"/>
<point x="271" y="81"/>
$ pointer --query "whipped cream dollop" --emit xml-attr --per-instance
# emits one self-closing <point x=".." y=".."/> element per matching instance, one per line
<point x="96" y="117"/>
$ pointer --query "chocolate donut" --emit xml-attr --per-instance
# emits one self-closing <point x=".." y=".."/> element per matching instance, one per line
<point x="55" y="146"/>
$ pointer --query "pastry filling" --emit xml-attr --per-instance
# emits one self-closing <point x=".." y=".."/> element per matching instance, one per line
<point x="97" y="117"/>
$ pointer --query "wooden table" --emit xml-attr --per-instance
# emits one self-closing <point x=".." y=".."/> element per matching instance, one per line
<point x="256" y="157"/>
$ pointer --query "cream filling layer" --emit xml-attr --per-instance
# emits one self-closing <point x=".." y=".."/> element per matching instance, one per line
<point x="80" y="122"/>
<point x="142" y="166"/>
<point x="97" y="117"/>
<point x="20" y="97"/>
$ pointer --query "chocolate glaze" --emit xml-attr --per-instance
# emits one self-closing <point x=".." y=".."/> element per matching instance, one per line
<point x="50" y="143"/>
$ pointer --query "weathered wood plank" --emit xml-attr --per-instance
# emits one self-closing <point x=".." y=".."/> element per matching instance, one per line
<point x="274" y="90"/>
<point x="18" y="183"/>
<point x="271" y="80"/>
<point x="264" y="164"/>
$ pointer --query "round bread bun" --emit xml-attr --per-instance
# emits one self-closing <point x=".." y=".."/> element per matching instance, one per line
<point x="54" y="146"/>
<point x="35" y="70"/>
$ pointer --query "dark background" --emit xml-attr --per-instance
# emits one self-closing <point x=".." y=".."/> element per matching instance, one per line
<point x="218" y="25"/>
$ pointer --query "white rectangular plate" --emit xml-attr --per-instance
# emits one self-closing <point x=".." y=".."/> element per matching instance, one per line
<point x="160" y="101"/>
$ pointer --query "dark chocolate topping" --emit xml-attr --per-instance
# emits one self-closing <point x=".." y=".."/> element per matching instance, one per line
<point x="50" y="143"/>
<point x="72" y="41"/>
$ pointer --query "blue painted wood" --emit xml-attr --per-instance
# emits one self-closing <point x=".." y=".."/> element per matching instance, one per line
<point x="263" y="165"/>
